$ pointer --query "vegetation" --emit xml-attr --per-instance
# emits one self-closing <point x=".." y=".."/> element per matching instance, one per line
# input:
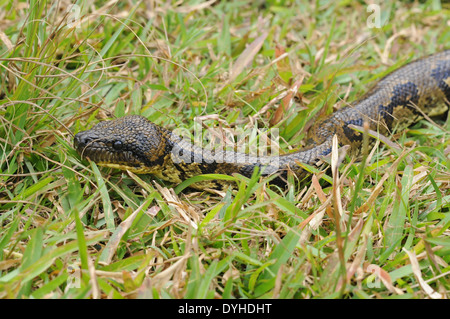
<point x="70" y="229"/>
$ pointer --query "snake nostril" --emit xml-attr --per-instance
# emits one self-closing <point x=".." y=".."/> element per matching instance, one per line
<point x="82" y="140"/>
<point x="77" y="140"/>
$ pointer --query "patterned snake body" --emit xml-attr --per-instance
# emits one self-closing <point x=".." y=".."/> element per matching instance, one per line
<point x="396" y="101"/>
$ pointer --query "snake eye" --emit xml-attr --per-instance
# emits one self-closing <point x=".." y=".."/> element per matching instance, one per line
<point x="117" y="145"/>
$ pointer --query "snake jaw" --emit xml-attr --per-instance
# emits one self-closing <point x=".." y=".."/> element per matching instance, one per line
<point x="105" y="155"/>
<point x="133" y="169"/>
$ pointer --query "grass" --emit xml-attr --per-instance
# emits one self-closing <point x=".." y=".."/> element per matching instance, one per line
<point x="72" y="230"/>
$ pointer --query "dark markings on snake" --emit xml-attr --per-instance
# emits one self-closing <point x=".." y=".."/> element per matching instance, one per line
<point x="134" y="143"/>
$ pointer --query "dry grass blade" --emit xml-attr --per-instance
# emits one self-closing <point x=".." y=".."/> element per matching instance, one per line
<point x="351" y="269"/>
<point x="286" y="102"/>
<point x="163" y="277"/>
<point x="336" y="160"/>
<point x="246" y="58"/>
<point x="93" y="278"/>
<point x="379" y="187"/>
<point x="315" y="218"/>
<point x="417" y="273"/>
<point x="6" y="41"/>
<point x="375" y="135"/>
<point x="200" y="6"/>
<point x="111" y="246"/>
<point x="172" y="199"/>
<point x="337" y="208"/>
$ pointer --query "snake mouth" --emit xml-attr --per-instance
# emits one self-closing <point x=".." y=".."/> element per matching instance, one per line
<point x="125" y="167"/>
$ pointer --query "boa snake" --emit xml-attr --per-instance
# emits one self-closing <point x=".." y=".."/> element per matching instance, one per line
<point x="396" y="101"/>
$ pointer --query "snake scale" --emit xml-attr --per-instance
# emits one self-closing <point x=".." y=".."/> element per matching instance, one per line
<point x="395" y="102"/>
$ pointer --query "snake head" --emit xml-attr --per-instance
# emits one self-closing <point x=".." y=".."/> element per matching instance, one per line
<point x="130" y="142"/>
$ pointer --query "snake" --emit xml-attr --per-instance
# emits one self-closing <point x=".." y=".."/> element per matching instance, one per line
<point x="418" y="89"/>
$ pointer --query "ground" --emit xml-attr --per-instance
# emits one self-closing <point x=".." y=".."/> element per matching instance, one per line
<point x="70" y="229"/>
